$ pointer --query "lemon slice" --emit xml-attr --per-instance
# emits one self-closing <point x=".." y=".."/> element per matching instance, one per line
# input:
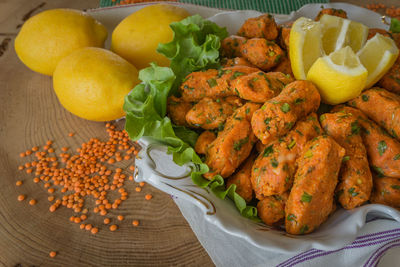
<point x="339" y="32"/>
<point x="339" y="76"/>
<point x="378" y="56"/>
<point x="305" y="46"/>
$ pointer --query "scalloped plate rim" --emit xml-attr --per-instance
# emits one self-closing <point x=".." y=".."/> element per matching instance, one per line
<point x="302" y="242"/>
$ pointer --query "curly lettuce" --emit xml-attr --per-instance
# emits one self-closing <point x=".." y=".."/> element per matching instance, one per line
<point x="394" y="25"/>
<point x="195" y="47"/>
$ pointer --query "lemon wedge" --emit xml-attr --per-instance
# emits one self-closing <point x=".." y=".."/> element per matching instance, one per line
<point x="339" y="32"/>
<point x="378" y="56"/>
<point x="305" y="46"/>
<point x="339" y="76"/>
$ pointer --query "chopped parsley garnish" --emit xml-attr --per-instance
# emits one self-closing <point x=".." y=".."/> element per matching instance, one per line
<point x="382" y="146"/>
<point x="289" y="125"/>
<point x="268" y="150"/>
<point x="277" y="59"/>
<point x="285" y="107"/>
<point x="237" y="92"/>
<point x="395" y="186"/>
<point x="238" y="145"/>
<point x="365" y="98"/>
<point x="345" y="158"/>
<point x="379" y="171"/>
<point x="306" y="197"/>
<point x="236" y="74"/>
<point x="397" y="157"/>
<point x="291" y="144"/>
<point x="316" y="128"/>
<point x="351" y="192"/>
<point x="299" y="101"/>
<point x="291" y="217"/>
<point x="355" y="129"/>
<point x="303" y="229"/>
<point x="267" y="120"/>
<point x="308" y="154"/>
<point x="212" y="82"/>
<point x="274" y="163"/>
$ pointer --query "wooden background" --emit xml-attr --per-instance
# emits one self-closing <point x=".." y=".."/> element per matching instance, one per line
<point x="29" y="115"/>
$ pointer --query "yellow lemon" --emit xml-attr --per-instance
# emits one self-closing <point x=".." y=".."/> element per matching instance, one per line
<point x="339" y="76"/>
<point x="378" y="56"/>
<point x="136" y="38"/>
<point x="51" y="35"/>
<point x="339" y="32"/>
<point x="92" y="83"/>
<point x="305" y="46"/>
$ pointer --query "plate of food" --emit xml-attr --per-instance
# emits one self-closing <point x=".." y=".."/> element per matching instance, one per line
<point x="288" y="154"/>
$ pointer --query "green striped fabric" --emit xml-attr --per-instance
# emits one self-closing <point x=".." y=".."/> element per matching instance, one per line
<point x="271" y="6"/>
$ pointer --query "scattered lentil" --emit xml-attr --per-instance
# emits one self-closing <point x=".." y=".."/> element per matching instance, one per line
<point x="82" y="174"/>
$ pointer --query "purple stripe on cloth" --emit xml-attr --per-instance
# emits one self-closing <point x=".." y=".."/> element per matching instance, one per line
<point x="371" y="243"/>
<point x="324" y="253"/>
<point x="358" y="240"/>
<point x="374" y="256"/>
<point x="379" y="233"/>
<point x="314" y="253"/>
<point x="379" y="256"/>
<point x="374" y="238"/>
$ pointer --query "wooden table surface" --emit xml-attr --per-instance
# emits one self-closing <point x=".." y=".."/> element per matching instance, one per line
<point x="29" y="115"/>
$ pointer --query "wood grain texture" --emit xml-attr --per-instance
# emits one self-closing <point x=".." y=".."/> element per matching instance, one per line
<point x="29" y="115"/>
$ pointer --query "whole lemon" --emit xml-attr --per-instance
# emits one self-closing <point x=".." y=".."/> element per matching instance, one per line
<point x="49" y="36"/>
<point x="92" y="82"/>
<point x="136" y="38"/>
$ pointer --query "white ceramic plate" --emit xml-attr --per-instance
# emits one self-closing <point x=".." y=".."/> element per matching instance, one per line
<point x="154" y="166"/>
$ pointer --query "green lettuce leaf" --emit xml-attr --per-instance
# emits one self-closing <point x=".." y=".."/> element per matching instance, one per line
<point x="194" y="47"/>
<point x="395" y="25"/>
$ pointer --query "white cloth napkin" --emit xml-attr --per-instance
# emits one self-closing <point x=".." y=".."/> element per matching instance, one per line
<point x="378" y="244"/>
